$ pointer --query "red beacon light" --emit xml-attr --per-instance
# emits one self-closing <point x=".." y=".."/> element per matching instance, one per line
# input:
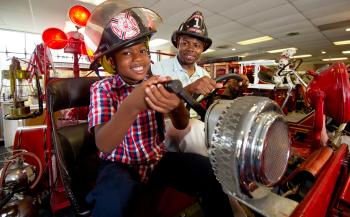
<point x="79" y="15"/>
<point x="54" y="38"/>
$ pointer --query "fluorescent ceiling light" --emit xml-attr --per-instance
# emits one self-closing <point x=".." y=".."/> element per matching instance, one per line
<point x="323" y="52"/>
<point x="348" y="29"/>
<point x="281" y="50"/>
<point x="341" y="42"/>
<point x="93" y="2"/>
<point x="157" y="42"/>
<point x="233" y="49"/>
<point x="334" y="59"/>
<point x="302" y="56"/>
<point x="346" y="52"/>
<point x="209" y="50"/>
<point x="255" y="40"/>
<point x="261" y="62"/>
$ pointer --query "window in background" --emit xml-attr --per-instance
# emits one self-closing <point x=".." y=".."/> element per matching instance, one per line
<point x="32" y="40"/>
<point x="13" y="43"/>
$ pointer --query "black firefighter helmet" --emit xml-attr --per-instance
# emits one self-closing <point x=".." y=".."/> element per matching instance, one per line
<point x="195" y="27"/>
<point x="114" y="25"/>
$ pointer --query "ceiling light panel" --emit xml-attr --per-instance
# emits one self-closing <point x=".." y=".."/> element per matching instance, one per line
<point x="302" y="56"/>
<point x="255" y="40"/>
<point x="281" y="50"/>
<point x="341" y="42"/>
<point x="335" y="59"/>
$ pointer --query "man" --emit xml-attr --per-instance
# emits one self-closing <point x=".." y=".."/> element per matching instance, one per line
<point x="191" y="40"/>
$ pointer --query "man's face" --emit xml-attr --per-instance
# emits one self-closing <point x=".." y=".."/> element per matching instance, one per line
<point x="189" y="49"/>
<point x="133" y="63"/>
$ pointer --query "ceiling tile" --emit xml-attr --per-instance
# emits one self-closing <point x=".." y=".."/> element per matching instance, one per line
<point x="144" y="3"/>
<point x="333" y="18"/>
<point x="222" y="5"/>
<point x="334" y="8"/>
<point x="288" y="20"/>
<point x="182" y="15"/>
<point x="307" y="44"/>
<point x="281" y="31"/>
<point x="167" y="9"/>
<point x="335" y="33"/>
<point x="15" y="5"/>
<point x="310" y="5"/>
<point x="237" y="36"/>
<point x="269" y="14"/>
<point x="165" y="32"/>
<point x="16" y="24"/>
<point x="215" y="20"/>
<point x="340" y="38"/>
<point x="195" y="1"/>
<point x="250" y="7"/>
<point x="232" y="28"/>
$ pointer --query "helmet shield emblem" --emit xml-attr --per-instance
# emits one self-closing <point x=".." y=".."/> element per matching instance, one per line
<point x="124" y="26"/>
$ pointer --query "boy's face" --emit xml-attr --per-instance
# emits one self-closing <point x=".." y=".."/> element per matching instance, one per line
<point x="133" y="63"/>
<point x="189" y="49"/>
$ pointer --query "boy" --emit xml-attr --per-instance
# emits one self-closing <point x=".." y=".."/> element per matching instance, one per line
<point x="125" y="116"/>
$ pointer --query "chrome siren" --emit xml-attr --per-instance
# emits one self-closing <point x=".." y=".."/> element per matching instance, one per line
<point x="248" y="143"/>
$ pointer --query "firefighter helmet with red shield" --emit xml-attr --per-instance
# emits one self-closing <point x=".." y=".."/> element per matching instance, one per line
<point x="195" y="27"/>
<point x="114" y="25"/>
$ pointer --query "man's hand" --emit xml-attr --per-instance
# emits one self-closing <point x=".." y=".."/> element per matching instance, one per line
<point x="203" y="86"/>
<point x="234" y="84"/>
<point x="245" y="81"/>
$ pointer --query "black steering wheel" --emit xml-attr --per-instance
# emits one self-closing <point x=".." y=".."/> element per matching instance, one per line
<point x="176" y="87"/>
<point x="225" y="78"/>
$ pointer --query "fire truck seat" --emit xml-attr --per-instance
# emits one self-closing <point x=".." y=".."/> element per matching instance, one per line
<point x="74" y="146"/>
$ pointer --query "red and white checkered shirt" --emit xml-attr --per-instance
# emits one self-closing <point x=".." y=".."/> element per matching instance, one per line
<point x="141" y="147"/>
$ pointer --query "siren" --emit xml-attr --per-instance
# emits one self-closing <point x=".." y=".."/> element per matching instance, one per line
<point x="79" y="15"/>
<point x="329" y="94"/>
<point x="54" y="38"/>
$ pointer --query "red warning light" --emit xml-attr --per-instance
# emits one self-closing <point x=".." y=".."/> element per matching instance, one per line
<point x="79" y="15"/>
<point x="54" y="38"/>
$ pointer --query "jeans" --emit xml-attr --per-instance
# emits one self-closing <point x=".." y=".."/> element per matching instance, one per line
<point x="117" y="186"/>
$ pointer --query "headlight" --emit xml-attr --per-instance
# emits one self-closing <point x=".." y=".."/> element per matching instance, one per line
<point x="248" y="144"/>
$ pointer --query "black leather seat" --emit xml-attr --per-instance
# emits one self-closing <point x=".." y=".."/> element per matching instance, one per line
<point x="75" y="147"/>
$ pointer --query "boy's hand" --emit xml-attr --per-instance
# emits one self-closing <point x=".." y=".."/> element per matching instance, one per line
<point x="137" y="97"/>
<point x="159" y="99"/>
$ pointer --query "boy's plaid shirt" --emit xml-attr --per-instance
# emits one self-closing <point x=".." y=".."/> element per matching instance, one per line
<point x="141" y="148"/>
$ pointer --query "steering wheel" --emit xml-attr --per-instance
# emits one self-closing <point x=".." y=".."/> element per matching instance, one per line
<point x="176" y="87"/>
<point x="224" y="79"/>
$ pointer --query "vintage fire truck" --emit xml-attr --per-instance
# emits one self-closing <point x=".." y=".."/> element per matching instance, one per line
<point x="268" y="165"/>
